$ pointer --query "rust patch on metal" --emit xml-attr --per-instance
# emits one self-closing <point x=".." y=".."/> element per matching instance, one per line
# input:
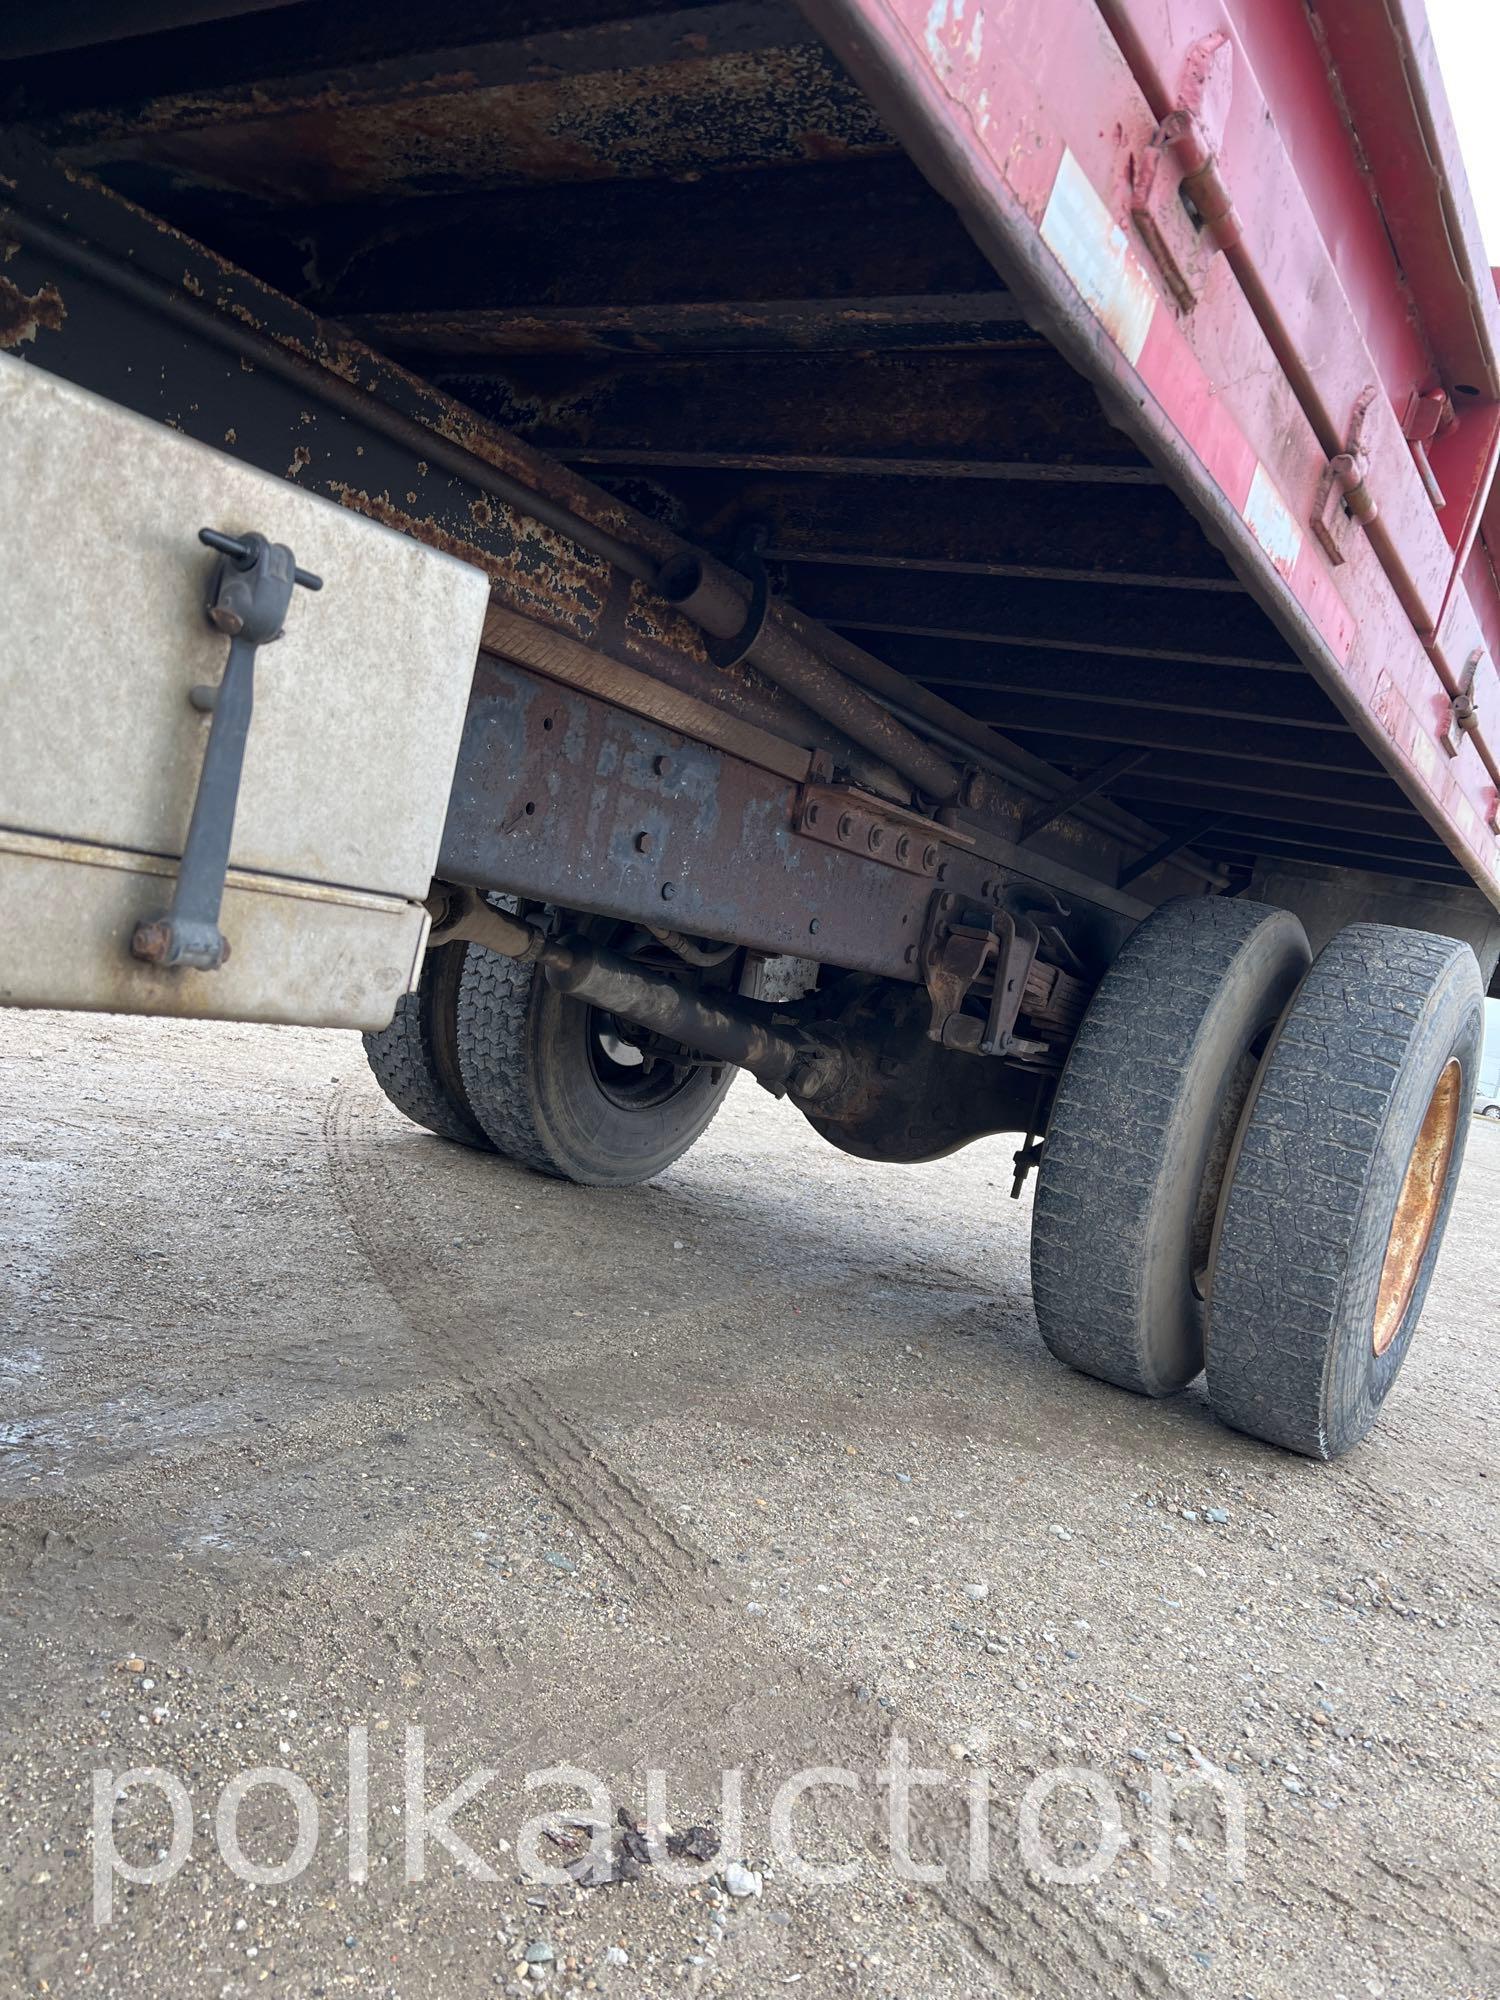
<point x="704" y="112"/>
<point x="650" y="618"/>
<point x="25" y="314"/>
<point x="810" y="324"/>
<point x="544" y="577"/>
<point x="464" y="427"/>
<point x="560" y="658"/>
<point x="933" y="411"/>
<point x="1417" y="1205"/>
<point x="345" y="358"/>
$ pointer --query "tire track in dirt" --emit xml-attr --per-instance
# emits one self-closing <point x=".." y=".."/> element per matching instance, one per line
<point x="1020" y="1937"/>
<point x="650" y="1553"/>
<point x="1398" y="1900"/>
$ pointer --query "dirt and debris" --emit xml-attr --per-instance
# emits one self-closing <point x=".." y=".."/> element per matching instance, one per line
<point x="620" y="1858"/>
<point x="601" y="1854"/>
<point x="298" y="1405"/>
<point x="694" y="1843"/>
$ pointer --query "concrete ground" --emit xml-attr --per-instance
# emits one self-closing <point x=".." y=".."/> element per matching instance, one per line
<point x="312" y="1424"/>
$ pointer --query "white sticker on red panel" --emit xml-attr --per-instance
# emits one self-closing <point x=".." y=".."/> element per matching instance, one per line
<point x="1096" y="254"/>
<point x="1270" y="521"/>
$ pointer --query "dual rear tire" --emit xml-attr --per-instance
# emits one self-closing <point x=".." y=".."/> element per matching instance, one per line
<point x="487" y="1053"/>
<point x="1248" y="1169"/>
<point x="1340" y="1189"/>
<point x="1250" y="1163"/>
<point x="1140" y="1131"/>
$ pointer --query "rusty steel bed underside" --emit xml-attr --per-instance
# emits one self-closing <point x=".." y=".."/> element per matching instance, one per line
<point x="673" y="250"/>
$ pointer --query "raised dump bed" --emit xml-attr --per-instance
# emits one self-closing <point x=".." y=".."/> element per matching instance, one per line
<point x="951" y="488"/>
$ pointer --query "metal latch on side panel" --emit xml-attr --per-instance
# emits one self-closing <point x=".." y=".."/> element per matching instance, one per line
<point x="1463" y="709"/>
<point x="1342" y="490"/>
<point x="1179" y="199"/>
<point x="248" y="601"/>
<point x="1429" y="416"/>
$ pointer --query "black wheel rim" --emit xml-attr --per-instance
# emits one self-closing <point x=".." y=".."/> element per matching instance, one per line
<point x="635" y="1078"/>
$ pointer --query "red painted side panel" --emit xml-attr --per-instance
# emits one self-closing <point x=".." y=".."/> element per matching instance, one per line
<point x="1253" y="326"/>
<point x="1292" y="65"/>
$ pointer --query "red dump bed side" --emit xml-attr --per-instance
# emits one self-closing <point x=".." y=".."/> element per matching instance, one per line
<point x="1248" y="222"/>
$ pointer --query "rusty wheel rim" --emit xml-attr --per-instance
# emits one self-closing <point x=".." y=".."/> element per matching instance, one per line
<point x="1418" y="1204"/>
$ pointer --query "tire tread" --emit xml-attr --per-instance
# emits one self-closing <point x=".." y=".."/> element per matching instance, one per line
<point x="406" y="1064"/>
<point x="1117" y="1100"/>
<point x="1290" y="1234"/>
<point x="494" y="1004"/>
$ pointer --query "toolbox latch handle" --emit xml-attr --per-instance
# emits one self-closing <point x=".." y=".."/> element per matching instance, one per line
<point x="250" y="593"/>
